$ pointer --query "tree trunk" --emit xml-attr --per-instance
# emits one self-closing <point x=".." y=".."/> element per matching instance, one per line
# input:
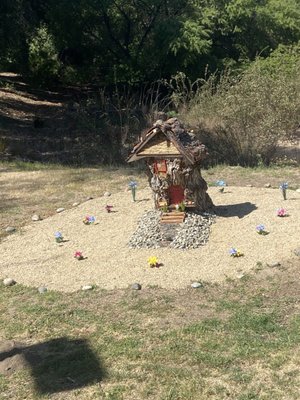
<point x="188" y="177"/>
<point x="198" y="187"/>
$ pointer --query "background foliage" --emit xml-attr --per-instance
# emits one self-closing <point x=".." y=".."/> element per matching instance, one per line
<point x="137" y="41"/>
<point x="230" y="68"/>
<point x="243" y="117"/>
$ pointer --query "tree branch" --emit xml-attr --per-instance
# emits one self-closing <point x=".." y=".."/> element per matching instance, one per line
<point x="113" y="38"/>
<point x="128" y="26"/>
<point x="148" y="29"/>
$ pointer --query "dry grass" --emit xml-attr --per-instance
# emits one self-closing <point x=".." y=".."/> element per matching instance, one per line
<point x="27" y="189"/>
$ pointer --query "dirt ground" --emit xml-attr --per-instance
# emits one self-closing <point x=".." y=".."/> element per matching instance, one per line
<point x="32" y="257"/>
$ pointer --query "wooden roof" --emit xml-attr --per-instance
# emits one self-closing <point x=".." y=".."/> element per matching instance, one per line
<point x="169" y="139"/>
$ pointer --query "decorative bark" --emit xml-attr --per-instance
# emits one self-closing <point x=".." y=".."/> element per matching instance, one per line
<point x="198" y="186"/>
<point x="177" y="174"/>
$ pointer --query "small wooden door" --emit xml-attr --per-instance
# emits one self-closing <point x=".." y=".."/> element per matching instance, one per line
<point x="176" y="194"/>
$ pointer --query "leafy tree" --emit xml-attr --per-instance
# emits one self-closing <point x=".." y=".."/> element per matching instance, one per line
<point x="254" y="27"/>
<point x="135" y="41"/>
<point x="18" y="20"/>
<point x="132" y="40"/>
<point x="43" y="62"/>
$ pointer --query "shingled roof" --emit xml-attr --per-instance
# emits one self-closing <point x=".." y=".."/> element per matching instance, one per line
<point x="185" y="143"/>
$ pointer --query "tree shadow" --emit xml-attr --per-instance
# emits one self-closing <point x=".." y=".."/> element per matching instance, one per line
<point x="60" y="364"/>
<point x="239" y="210"/>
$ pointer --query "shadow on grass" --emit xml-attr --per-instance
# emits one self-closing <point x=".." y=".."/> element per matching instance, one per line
<point x="239" y="210"/>
<point x="60" y="364"/>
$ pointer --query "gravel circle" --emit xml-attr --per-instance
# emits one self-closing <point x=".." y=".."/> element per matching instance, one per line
<point x="191" y="234"/>
<point x="148" y="234"/>
<point x="32" y="257"/>
<point x="194" y="232"/>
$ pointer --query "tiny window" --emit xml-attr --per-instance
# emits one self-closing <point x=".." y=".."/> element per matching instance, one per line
<point x="160" y="166"/>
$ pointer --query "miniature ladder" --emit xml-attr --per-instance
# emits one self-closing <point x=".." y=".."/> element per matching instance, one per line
<point x="173" y="217"/>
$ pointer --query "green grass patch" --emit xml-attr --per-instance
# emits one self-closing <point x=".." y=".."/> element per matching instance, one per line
<point x="246" y="349"/>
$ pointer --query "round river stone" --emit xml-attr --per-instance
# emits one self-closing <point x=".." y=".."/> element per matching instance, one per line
<point x="42" y="289"/>
<point x="196" y="285"/>
<point x="9" y="282"/>
<point x="136" y="286"/>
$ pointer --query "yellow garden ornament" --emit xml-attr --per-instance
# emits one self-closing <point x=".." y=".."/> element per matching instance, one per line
<point x="153" y="262"/>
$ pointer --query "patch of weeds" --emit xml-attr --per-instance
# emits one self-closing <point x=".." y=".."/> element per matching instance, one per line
<point x="205" y="284"/>
<point x="164" y="370"/>
<point x="149" y="391"/>
<point x="283" y="381"/>
<point x="277" y="361"/>
<point x="32" y="166"/>
<point x="116" y="393"/>
<point x="178" y="347"/>
<point x="258" y="267"/>
<point x="247" y="278"/>
<point x="211" y="357"/>
<point x="293" y="333"/>
<point x="130" y="373"/>
<point x="256" y="301"/>
<point x="228" y="279"/>
<point x="13" y="330"/>
<point x="224" y="304"/>
<point x="212" y="284"/>
<point x="166" y="299"/>
<point x="142" y="305"/>
<point x="248" y="322"/>
<point x="240" y="376"/>
<point x="77" y="179"/>
<point x="249" y="395"/>
<point x="220" y="390"/>
<point x="153" y="287"/>
<point x="3" y="384"/>
<point x="207" y="325"/>
<point x="33" y="309"/>
<point x="188" y="389"/>
<point x="129" y="347"/>
<point x="204" y="306"/>
<point x="292" y="374"/>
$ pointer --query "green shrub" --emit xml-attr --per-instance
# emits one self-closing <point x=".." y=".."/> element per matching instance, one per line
<point x="242" y="118"/>
<point x="43" y="61"/>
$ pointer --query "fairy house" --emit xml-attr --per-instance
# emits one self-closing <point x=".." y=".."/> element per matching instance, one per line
<point x="173" y="157"/>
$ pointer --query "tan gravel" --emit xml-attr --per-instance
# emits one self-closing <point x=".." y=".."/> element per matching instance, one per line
<point x="33" y="258"/>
